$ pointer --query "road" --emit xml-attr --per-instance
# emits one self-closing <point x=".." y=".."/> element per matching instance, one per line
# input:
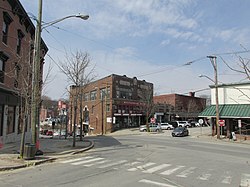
<point x="144" y="160"/>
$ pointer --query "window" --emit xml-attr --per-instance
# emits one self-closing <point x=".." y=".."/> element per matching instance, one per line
<point x="3" y="59"/>
<point x="20" y="36"/>
<point x="107" y="107"/>
<point x="1" y="119"/>
<point x="93" y="95"/>
<point x="6" y="22"/>
<point x="17" y="73"/>
<point x="86" y="96"/>
<point x="11" y="120"/>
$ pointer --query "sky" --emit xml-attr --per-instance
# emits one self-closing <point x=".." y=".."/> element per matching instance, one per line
<point x="153" y="40"/>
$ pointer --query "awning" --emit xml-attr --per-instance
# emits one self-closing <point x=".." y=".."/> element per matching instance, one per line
<point x="228" y="111"/>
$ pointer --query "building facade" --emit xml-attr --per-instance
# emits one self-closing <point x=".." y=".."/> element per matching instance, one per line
<point x="234" y="109"/>
<point x="111" y="103"/>
<point x="172" y="107"/>
<point x="16" y="54"/>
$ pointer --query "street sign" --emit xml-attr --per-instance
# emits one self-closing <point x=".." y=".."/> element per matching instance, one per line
<point x="239" y="123"/>
<point x="152" y="120"/>
<point x="221" y="122"/>
<point x="200" y="121"/>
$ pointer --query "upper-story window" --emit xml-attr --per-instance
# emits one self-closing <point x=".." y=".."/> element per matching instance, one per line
<point x="3" y="59"/>
<point x="17" y="73"/>
<point x="86" y="96"/>
<point x="20" y="36"/>
<point x="93" y="95"/>
<point x="105" y="92"/>
<point x="6" y="22"/>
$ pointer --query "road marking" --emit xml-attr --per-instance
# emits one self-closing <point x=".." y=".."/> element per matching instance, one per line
<point x="96" y="163"/>
<point x="156" y="183"/>
<point x="186" y="172"/>
<point x="132" y="164"/>
<point x="227" y="179"/>
<point x="245" y="180"/>
<point x="204" y="176"/>
<point x="113" y="164"/>
<point x="156" y="168"/>
<point x="87" y="161"/>
<point x="170" y="171"/>
<point x="76" y="159"/>
<point x="142" y="167"/>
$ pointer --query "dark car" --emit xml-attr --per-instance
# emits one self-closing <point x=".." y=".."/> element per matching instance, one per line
<point x="180" y="131"/>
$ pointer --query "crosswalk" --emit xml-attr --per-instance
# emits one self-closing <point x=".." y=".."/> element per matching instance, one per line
<point x="164" y="169"/>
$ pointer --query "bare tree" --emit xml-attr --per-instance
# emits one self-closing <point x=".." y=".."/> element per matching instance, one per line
<point x="146" y="97"/>
<point x="79" y="72"/>
<point x="242" y="64"/>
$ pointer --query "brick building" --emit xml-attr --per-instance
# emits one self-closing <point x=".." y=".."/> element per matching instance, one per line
<point x="111" y="103"/>
<point x="16" y="51"/>
<point x="171" y="107"/>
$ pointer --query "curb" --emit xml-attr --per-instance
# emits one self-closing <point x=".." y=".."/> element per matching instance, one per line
<point x="49" y="159"/>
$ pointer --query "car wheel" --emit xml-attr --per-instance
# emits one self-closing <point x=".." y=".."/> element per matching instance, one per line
<point x="168" y="128"/>
<point x="157" y="130"/>
<point x="145" y="130"/>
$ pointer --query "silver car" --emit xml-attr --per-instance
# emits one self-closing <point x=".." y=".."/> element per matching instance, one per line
<point x="152" y="128"/>
<point x="166" y="126"/>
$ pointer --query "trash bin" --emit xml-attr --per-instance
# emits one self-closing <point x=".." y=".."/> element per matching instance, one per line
<point x="29" y="151"/>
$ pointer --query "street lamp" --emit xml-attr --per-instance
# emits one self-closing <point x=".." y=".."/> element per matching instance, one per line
<point x="36" y="69"/>
<point x="215" y="81"/>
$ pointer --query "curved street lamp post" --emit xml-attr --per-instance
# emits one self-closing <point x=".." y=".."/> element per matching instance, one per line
<point x="36" y="70"/>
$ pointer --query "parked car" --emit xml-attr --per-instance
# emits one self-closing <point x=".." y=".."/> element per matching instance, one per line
<point x="152" y="128"/>
<point x="49" y="133"/>
<point x="180" y="131"/>
<point x="194" y="124"/>
<point x="179" y="124"/>
<point x="166" y="126"/>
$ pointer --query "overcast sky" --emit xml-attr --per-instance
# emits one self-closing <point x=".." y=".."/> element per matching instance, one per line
<point x="147" y="39"/>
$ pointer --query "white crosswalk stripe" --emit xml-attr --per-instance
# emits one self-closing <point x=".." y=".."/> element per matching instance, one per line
<point x="87" y="161"/>
<point x="97" y="163"/>
<point x="76" y="159"/>
<point x="245" y="180"/>
<point x="142" y="167"/>
<point x="186" y="172"/>
<point x="171" y="171"/>
<point x="113" y="164"/>
<point x="156" y="168"/>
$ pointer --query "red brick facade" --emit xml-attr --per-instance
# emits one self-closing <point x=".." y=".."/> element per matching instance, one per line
<point x="112" y="103"/>
<point x="181" y="107"/>
<point x="16" y="52"/>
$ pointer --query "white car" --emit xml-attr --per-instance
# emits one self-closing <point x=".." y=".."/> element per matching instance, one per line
<point x="166" y="126"/>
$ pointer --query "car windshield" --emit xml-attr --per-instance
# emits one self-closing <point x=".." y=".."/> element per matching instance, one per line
<point x="178" y="129"/>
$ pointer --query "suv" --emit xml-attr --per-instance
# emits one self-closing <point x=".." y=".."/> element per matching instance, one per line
<point x="152" y="128"/>
<point x="179" y="124"/>
<point x="166" y="126"/>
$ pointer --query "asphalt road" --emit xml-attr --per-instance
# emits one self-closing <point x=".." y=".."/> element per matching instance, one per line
<point x="143" y="160"/>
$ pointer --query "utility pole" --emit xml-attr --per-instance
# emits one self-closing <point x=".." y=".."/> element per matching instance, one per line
<point x="36" y="78"/>
<point x="214" y="63"/>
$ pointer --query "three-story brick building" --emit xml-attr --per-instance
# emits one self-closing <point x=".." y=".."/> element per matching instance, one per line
<point x="16" y="54"/>
<point x="113" y="102"/>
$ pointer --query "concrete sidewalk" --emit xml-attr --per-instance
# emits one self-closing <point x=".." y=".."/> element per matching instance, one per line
<point x="51" y="148"/>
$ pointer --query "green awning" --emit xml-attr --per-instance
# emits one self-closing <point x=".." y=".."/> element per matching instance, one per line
<point x="228" y="111"/>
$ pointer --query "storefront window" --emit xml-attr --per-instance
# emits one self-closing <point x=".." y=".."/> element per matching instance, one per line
<point x="11" y="120"/>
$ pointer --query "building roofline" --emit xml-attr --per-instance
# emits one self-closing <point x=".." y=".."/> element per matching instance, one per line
<point x="231" y="84"/>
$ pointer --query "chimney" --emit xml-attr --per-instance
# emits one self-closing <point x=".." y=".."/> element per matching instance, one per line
<point x="191" y="94"/>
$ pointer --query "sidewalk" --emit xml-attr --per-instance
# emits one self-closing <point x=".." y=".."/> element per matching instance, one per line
<point x="51" y="148"/>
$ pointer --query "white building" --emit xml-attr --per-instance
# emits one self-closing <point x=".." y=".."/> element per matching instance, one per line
<point x="234" y="108"/>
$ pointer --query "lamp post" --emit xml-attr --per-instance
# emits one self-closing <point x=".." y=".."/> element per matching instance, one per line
<point x="215" y="81"/>
<point x="36" y="75"/>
